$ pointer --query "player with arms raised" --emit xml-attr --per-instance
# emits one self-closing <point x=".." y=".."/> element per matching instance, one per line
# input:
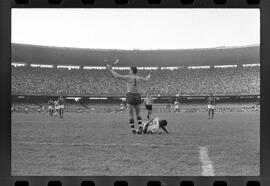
<point x="133" y="98"/>
<point x="211" y="101"/>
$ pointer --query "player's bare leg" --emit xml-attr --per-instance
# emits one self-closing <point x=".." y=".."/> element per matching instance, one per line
<point x="131" y="118"/>
<point x="149" y="112"/>
<point x="59" y="112"/>
<point x="209" y="112"/>
<point x="139" y="119"/>
<point x="213" y="113"/>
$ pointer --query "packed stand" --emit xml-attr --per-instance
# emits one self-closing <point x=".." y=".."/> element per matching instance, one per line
<point x="51" y="81"/>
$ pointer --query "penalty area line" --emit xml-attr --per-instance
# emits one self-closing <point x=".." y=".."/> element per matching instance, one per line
<point x="91" y="144"/>
<point x="207" y="164"/>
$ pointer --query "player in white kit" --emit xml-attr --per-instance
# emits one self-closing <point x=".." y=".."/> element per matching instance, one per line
<point x="122" y="108"/>
<point x="176" y="106"/>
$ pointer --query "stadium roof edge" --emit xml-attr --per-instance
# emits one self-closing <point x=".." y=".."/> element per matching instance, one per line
<point x="100" y="57"/>
<point x="100" y="49"/>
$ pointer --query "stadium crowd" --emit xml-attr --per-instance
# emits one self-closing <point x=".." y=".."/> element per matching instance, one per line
<point x="79" y="82"/>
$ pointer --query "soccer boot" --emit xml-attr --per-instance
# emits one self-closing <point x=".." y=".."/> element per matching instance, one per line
<point x="140" y="129"/>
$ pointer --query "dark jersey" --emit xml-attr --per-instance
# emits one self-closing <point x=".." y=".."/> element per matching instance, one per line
<point x="61" y="101"/>
<point x="211" y="101"/>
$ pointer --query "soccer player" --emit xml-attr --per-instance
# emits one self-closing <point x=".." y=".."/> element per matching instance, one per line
<point x="148" y="105"/>
<point x="122" y="107"/>
<point x="61" y="102"/>
<point x="211" y="101"/>
<point x="92" y="109"/>
<point x="176" y="106"/>
<point x="154" y="125"/>
<point x="26" y="109"/>
<point x="50" y="107"/>
<point x="133" y="98"/>
<point x="39" y="110"/>
<point x="56" y="108"/>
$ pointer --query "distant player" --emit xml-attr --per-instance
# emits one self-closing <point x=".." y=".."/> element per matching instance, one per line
<point x="50" y="107"/>
<point x="133" y="98"/>
<point x="61" y="102"/>
<point x="122" y="107"/>
<point x="26" y="109"/>
<point x="12" y="109"/>
<point x="176" y="106"/>
<point x="56" y="108"/>
<point x="154" y="126"/>
<point x="92" y="109"/>
<point x="211" y="101"/>
<point x="148" y="102"/>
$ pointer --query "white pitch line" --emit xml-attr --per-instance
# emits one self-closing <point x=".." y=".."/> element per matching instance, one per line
<point x="207" y="165"/>
<point x="91" y="144"/>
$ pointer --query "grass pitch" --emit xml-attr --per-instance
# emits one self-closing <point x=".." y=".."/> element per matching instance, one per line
<point x="84" y="144"/>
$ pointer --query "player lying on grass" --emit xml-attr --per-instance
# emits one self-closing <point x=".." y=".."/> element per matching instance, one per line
<point x="133" y="98"/>
<point x="154" y="126"/>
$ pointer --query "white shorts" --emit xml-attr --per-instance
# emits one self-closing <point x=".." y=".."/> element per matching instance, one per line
<point x="50" y="107"/>
<point x="211" y="106"/>
<point x="57" y="107"/>
<point x="61" y="106"/>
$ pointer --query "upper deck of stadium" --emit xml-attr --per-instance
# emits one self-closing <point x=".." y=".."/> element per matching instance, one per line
<point x="100" y="57"/>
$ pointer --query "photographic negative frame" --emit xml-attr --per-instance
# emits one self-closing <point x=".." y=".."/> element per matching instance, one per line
<point x="6" y="177"/>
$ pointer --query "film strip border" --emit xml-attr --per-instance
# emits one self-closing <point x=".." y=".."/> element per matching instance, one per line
<point x="137" y="3"/>
<point x="134" y="181"/>
<point x="137" y="182"/>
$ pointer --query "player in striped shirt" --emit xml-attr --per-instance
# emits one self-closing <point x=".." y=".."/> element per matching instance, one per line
<point x="148" y="102"/>
<point x="154" y="126"/>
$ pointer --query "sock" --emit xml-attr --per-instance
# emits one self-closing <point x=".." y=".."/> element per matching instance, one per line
<point x="139" y="120"/>
<point x="131" y="124"/>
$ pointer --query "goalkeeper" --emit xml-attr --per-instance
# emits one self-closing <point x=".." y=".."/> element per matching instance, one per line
<point x="154" y="126"/>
